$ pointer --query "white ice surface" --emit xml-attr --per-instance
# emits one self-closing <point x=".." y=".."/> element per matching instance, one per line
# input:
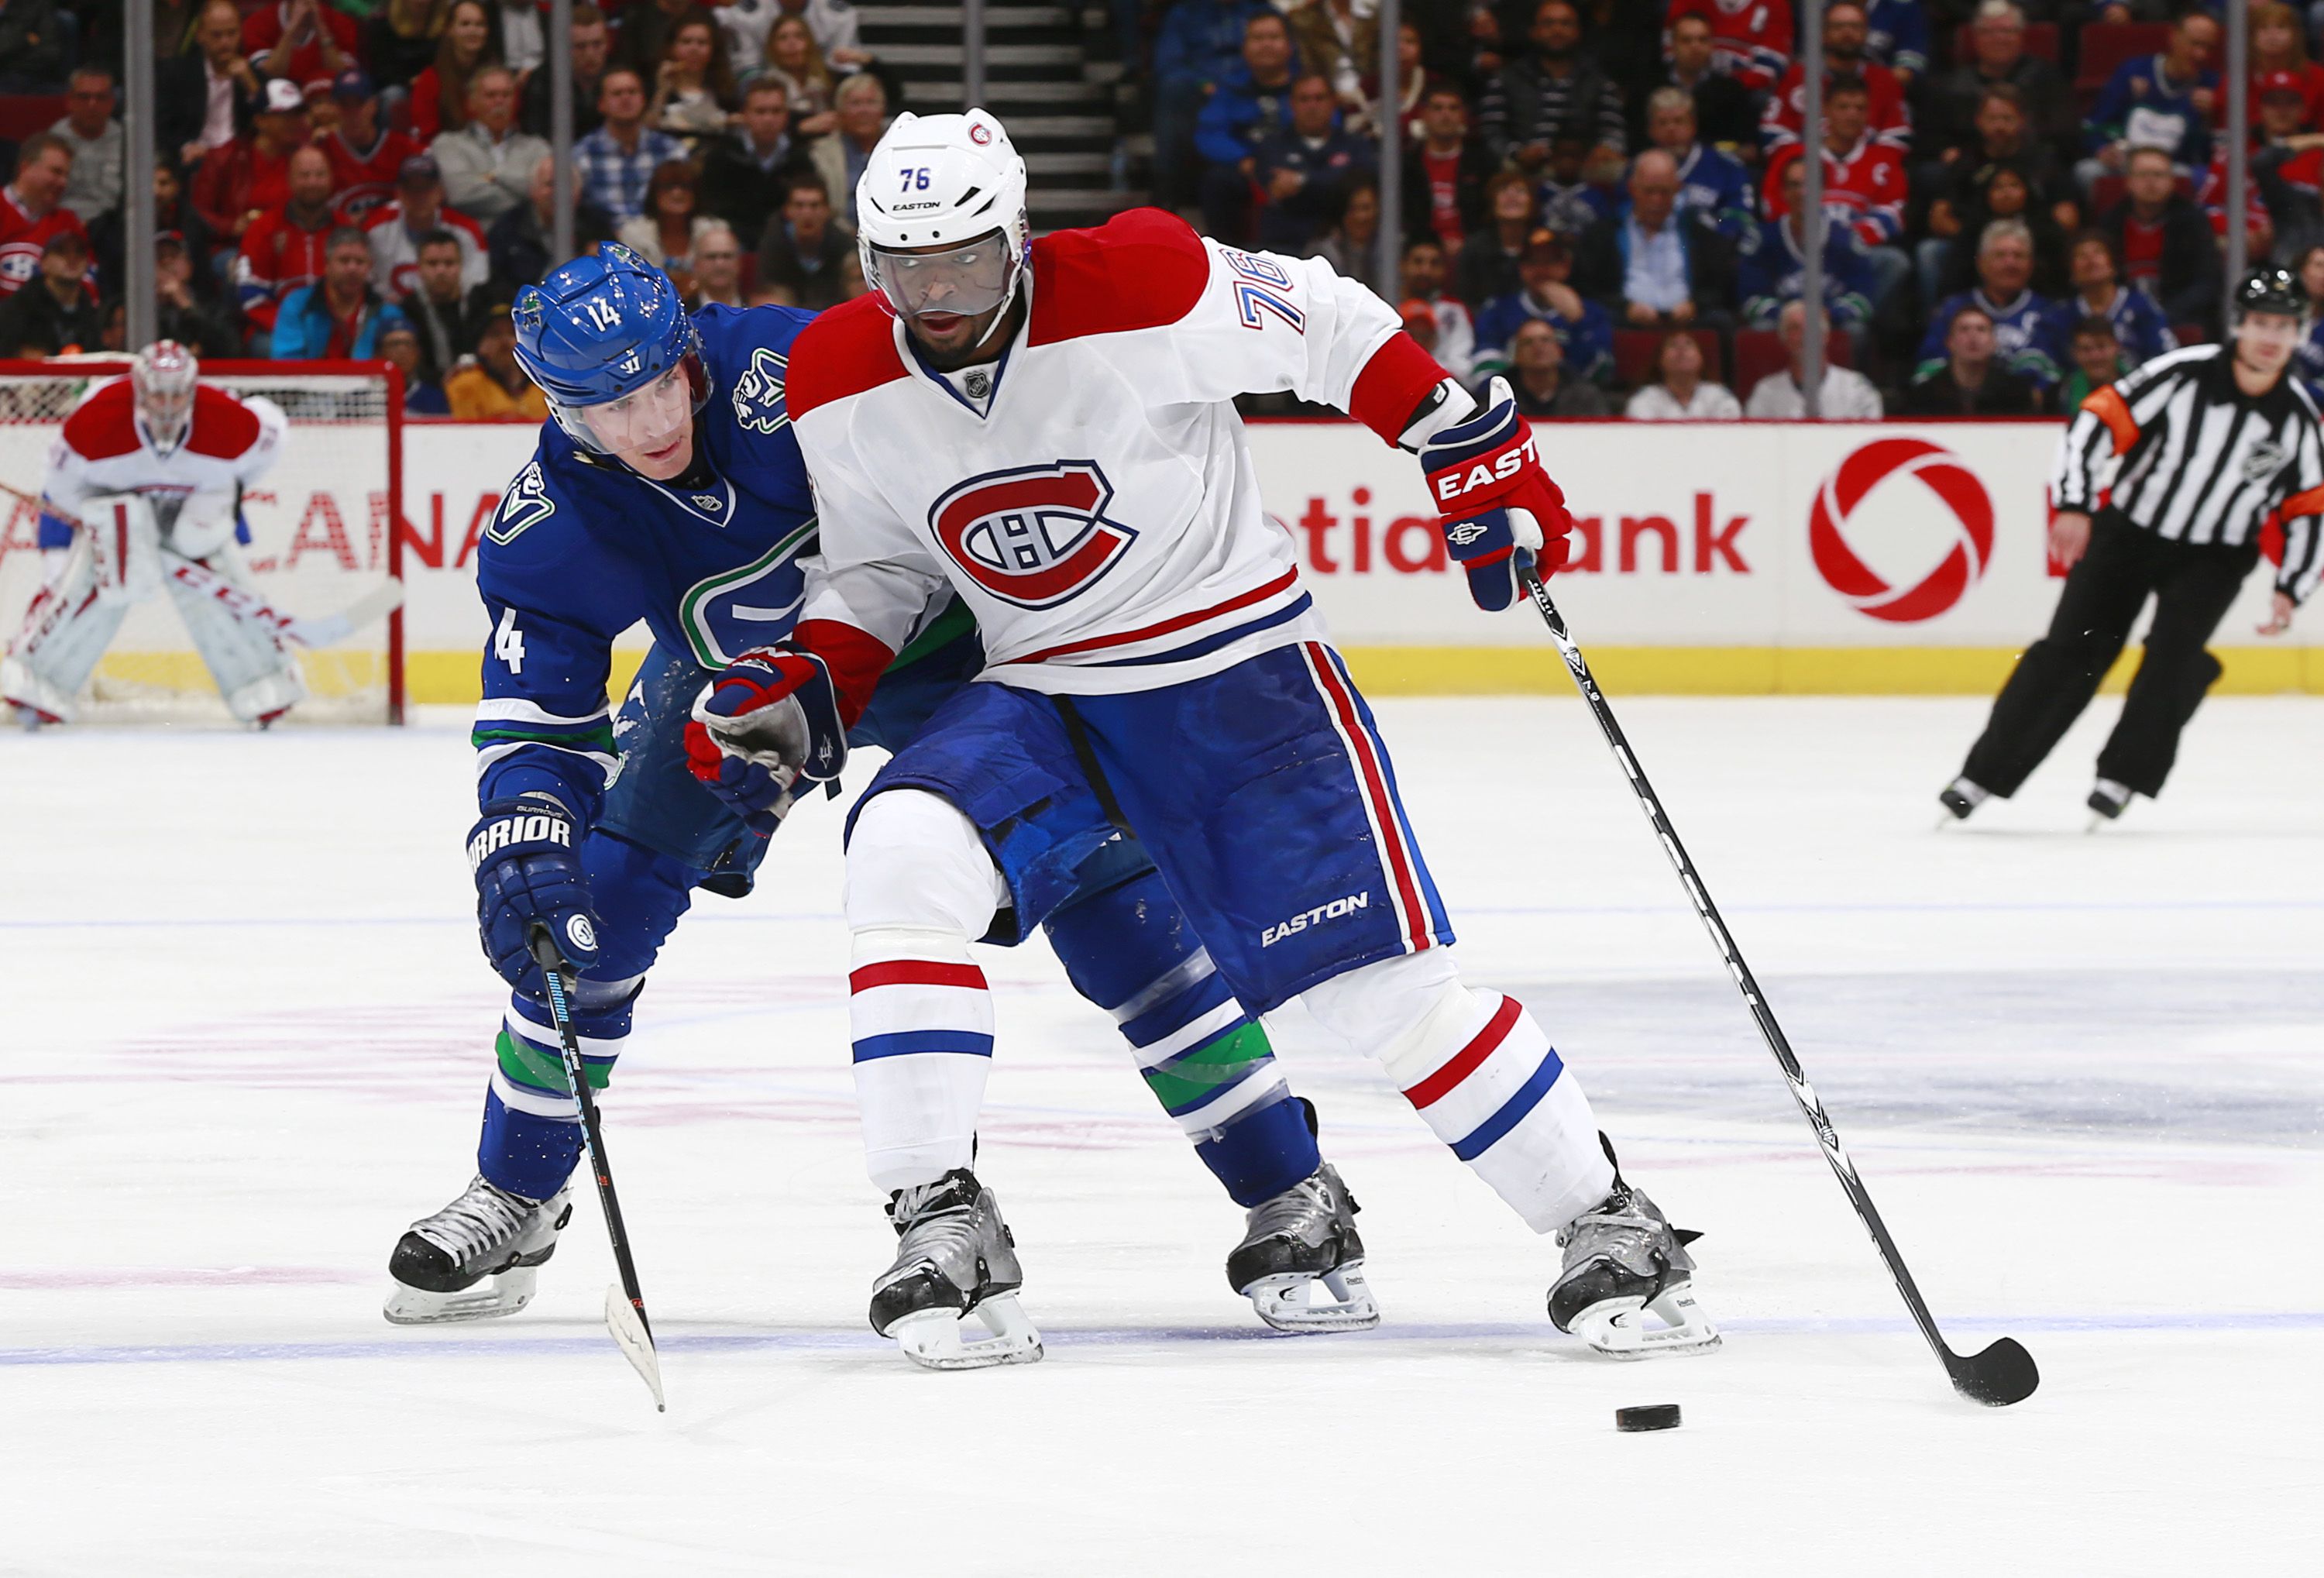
<point x="243" y="1033"/>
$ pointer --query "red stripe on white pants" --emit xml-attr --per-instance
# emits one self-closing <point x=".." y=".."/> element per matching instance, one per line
<point x="1392" y="856"/>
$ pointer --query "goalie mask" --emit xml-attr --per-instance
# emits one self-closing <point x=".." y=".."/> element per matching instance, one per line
<point x="164" y="376"/>
<point x="940" y="217"/>
<point x="608" y="340"/>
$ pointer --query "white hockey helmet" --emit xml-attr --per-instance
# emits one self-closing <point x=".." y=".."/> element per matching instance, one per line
<point x="948" y="181"/>
<point x="164" y="375"/>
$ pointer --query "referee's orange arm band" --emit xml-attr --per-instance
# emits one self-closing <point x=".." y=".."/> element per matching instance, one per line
<point x="2110" y="407"/>
<point x="2311" y="502"/>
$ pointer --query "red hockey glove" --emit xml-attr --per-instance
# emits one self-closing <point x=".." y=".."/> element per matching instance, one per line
<point x="1487" y="478"/>
<point x="767" y="720"/>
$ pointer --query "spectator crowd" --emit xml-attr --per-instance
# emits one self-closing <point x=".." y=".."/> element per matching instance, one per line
<point x="1600" y="200"/>
<point x="344" y="179"/>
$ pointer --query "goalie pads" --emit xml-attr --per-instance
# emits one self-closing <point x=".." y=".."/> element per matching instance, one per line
<point x="256" y="674"/>
<point x="125" y="539"/>
<point x="71" y="621"/>
<point x="204" y="523"/>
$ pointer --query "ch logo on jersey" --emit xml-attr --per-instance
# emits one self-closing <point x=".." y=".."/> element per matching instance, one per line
<point x="20" y="263"/>
<point x="1036" y="535"/>
<point x="759" y="393"/>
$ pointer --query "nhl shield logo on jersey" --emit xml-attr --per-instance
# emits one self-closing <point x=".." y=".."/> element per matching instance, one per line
<point x="758" y="392"/>
<point x="2264" y="459"/>
<point x="1034" y="535"/>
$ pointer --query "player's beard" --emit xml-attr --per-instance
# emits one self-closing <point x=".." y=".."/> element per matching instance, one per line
<point x="951" y="341"/>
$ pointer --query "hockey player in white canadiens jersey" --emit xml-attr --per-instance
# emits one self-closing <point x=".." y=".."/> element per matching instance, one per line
<point x="148" y="474"/>
<point x="1046" y="430"/>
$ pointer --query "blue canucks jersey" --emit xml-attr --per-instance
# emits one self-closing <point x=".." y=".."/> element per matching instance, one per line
<point x="582" y="548"/>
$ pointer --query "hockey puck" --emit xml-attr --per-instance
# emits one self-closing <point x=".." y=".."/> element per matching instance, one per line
<point x="1652" y="1417"/>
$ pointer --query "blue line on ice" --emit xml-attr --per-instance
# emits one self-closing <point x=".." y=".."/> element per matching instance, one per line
<point x="1132" y="1336"/>
<point x="1930" y="907"/>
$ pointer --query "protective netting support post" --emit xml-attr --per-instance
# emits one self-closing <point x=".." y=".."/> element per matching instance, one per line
<point x="1811" y="215"/>
<point x="560" y="127"/>
<point x="1390" y="262"/>
<point x="972" y="54"/>
<point x="139" y="125"/>
<point x="2238" y="133"/>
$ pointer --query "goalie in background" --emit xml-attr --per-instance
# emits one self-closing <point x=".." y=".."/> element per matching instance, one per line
<point x="147" y="474"/>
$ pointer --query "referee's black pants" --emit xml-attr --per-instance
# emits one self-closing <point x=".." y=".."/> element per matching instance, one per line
<point x="2193" y="583"/>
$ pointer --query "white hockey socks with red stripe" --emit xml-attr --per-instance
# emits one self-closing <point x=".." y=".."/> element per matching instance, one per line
<point x="1484" y="1077"/>
<point x="919" y="887"/>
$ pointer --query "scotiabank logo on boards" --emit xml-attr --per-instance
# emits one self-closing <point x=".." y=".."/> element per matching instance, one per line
<point x="1901" y="499"/>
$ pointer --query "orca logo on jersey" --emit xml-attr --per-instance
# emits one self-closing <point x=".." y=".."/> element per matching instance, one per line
<point x="1034" y="535"/>
<point x="758" y="392"/>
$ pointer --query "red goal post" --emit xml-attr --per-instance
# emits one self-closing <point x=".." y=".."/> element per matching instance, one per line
<point x="326" y="524"/>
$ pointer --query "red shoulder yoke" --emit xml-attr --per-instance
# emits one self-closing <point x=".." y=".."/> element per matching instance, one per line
<point x="845" y="351"/>
<point x="224" y="427"/>
<point x="1140" y="269"/>
<point x="104" y="426"/>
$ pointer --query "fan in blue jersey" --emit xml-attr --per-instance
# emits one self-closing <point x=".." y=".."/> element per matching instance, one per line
<point x="667" y="487"/>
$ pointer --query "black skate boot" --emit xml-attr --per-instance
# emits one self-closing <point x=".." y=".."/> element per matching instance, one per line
<point x="954" y="1256"/>
<point x="1959" y="798"/>
<point x="2109" y="801"/>
<point x="1301" y="1262"/>
<point x="1623" y="1257"/>
<point x="476" y="1258"/>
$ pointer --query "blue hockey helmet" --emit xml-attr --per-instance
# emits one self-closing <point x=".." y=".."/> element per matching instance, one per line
<point x="605" y="329"/>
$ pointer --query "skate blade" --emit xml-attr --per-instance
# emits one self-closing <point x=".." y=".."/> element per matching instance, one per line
<point x="931" y="1338"/>
<point x="636" y="1344"/>
<point x="487" y="1299"/>
<point x="1293" y="1301"/>
<point x="1613" y="1326"/>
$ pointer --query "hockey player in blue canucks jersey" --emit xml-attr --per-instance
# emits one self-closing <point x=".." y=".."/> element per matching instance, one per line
<point x="667" y="488"/>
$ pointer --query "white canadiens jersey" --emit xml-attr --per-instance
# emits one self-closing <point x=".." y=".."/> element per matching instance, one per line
<point x="1091" y="498"/>
<point x="104" y="447"/>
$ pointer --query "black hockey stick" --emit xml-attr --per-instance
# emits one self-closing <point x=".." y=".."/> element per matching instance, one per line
<point x="625" y="1306"/>
<point x="2004" y="1373"/>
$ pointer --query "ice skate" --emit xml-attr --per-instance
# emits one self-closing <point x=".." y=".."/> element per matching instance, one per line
<point x="1301" y="1263"/>
<point x="1959" y="798"/>
<point x="2109" y="801"/>
<point x="475" y="1258"/>
<point x="1623" y="1261"/>
<point x="955" y="1258"/>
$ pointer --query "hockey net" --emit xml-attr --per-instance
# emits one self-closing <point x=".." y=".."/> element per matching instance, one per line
<point x="319" y="527"/>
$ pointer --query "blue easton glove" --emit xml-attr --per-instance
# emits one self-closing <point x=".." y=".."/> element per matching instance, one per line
<point x="528" y="873"/>
<point x="1486" y="477"/>
<point x="769" y="719"/>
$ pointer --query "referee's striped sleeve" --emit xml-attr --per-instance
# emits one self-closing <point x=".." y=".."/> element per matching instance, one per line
<point x="2102" y="429"/>
<point x="2111" y="421"/>
<point x="2303" y="534"/>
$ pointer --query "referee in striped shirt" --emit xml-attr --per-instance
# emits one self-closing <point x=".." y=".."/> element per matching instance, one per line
<point x="2210" y="444"/>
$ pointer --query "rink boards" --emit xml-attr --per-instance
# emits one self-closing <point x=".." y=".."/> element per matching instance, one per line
<point x="1710" y="559"/>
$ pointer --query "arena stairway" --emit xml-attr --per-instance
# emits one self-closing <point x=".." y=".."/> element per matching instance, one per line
<point x="1050" y="73"/>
